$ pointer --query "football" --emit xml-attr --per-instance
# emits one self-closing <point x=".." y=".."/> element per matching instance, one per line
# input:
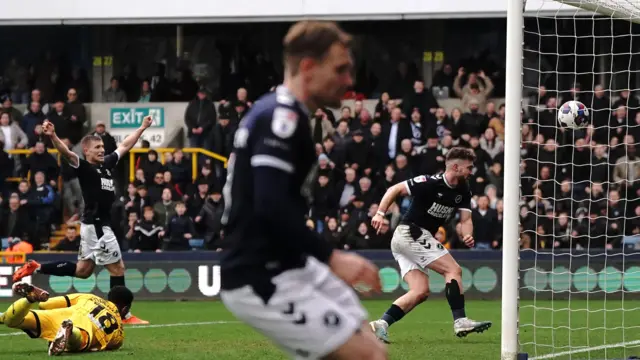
<point x="573" y="115"/>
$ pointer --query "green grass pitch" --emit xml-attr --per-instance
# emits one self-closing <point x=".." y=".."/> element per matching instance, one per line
<point x="205" y="330"/>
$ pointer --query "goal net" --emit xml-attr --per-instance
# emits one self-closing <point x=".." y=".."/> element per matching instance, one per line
<point x="579" y="195"/>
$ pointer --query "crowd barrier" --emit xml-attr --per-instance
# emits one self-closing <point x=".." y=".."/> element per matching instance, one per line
<point x="196" y="276"/>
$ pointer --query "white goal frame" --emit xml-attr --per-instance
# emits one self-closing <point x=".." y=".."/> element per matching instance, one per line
<point x="513" y="101"/>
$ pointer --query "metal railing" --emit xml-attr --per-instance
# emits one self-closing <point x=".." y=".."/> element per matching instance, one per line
<point x="132" y="163"/>
<point x="162" y="151"/>
<point x="28" y="152"/>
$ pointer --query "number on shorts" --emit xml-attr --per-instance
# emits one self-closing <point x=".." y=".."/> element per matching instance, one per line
<point x="107" y="322"/>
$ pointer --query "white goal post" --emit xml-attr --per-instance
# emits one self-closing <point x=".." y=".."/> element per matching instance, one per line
<point x="553" y="325"/>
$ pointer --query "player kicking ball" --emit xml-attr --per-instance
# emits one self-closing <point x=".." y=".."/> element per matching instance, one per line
<point x="71" y="323"/>
<point x="435" y="198"/>
<point x="98" y="243"/>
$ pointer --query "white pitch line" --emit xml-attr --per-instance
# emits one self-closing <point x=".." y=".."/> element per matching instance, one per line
<point x="151" y="326"/>
<point x="588" y="349"/>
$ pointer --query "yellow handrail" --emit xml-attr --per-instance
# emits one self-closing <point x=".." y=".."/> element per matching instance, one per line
<point x="161" y="151"/>
<point x="27" y="152"/>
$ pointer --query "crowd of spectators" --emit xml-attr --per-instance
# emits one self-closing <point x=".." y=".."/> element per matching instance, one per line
<point x="579" y="189"/>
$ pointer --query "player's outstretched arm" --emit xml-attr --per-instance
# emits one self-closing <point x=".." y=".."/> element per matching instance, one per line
<point x="70" y="156"/>
<point x="131" y="140"/>
<point x="389" y="197"/>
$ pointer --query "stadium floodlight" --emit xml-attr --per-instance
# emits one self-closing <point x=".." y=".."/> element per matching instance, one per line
<point x="573" y="301"/>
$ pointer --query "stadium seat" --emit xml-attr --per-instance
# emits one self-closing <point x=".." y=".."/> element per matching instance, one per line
<point x="196" y="243"/>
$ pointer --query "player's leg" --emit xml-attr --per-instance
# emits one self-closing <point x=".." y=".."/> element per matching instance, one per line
<point x="82" y="269"/>
<point x="449" y="268"/>
<point x="19" y="314"/>
<point x="68" y="338"/>
<point x="418" y="282"/>
<point x="110" y="256"/>
<point x="408" y="254"/>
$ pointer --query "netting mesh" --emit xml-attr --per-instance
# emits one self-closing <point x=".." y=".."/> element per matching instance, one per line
<point x="580" y="208"/>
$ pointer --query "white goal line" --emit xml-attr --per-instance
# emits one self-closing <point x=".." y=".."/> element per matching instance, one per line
<point x="586" y="349"/>
<point x="152" y="326"/>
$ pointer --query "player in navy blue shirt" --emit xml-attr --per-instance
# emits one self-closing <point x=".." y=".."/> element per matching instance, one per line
<point x="435" y="199"/>
<point x="98" y="242"/>
<point x="276" y="274"/>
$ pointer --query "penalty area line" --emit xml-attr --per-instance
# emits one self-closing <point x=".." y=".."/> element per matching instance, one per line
<point x="133" y="327"/>
<point x="586" y="349"/>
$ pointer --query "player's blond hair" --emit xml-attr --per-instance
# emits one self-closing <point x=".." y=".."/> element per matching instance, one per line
<point x="311" y="39"/>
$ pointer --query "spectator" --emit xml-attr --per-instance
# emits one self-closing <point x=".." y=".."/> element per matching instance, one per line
<point x="359" y="154"/>
<point x="11" y="135"/>
<point x="394" y="132"/>
<point x="209" y="218"/>
<point x="180" y="170"/>
<point x="473" y="90"/>
<point x="151" y="166"/>
<point x="60" y="116"/>
<point x="332" y="233"/>
<point x="200" y="118"/>
<point x="492" y="145"/>
<point x="164" y="210"/>
<point x="198" y="199"/>
<point x="421" y="100"/>
<point x="146" y="236"/>
<point x="114" y="94"/>
<point x="321" y="127"/>
<point x="70" y="242"/>
<point x="360" y="239"/>
<point x="222" y="136"/>
<point x="7" y="106"/>
<point x="419" y="129"/>
<point x="41" y="161"/>
<point x="78" y="116"/>
<point x="108" y="140"/>
<point x="382" y="111"/>
<point x="145" y="92"/>
<point x="16" y="76"/>
<point x="32" y="118"/>
<point x="36" y="96"/>
<point x="179" y="231"/>
<point x="444" y="78"/>
<point x="156" y="187"/>
<point x="141" y="201"/>
<point x="71" y="191"/>
<point x="324" y="202"/>
<point x="15" y="220"/>
<point x="485" y="221"/>
<point x="42" y="203"/>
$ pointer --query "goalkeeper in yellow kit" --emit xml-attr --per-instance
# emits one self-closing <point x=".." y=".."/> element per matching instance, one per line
<point x="74" y="322"/>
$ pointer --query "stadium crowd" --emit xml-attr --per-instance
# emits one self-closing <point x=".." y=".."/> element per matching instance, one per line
<point x="579" y="189"/>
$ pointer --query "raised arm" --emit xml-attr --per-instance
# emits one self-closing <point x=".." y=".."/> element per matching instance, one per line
<point x="71" y="157"/>
<point x="131" y="140"/>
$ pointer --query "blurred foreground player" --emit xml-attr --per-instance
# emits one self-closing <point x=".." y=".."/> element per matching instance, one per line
<point x="435" y="199"/>
<point x="74" y="322"/>
<point x="98" y="243"/>
<point x="277" y="275"/>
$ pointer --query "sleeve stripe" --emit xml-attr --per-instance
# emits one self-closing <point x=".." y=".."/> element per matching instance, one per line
<point x="406" y="185"/>
<point x="77" y="157"/>
<point x="118" y="153"/>
<point x="272" y="161"/>
<point x="464" y="209"/>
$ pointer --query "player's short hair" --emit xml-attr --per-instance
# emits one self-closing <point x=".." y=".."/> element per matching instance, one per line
<point x="88" y="139"/>
<point x="460" y="153"/>
<point x="311" y="38"/>
<point x="120" y="296"/>
<point x="180" y="203"/>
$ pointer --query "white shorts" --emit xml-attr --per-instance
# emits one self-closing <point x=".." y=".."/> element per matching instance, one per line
<point x="415" y="254"/>
<point x="311" y="314"/>
<point x="103" y="250"/>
